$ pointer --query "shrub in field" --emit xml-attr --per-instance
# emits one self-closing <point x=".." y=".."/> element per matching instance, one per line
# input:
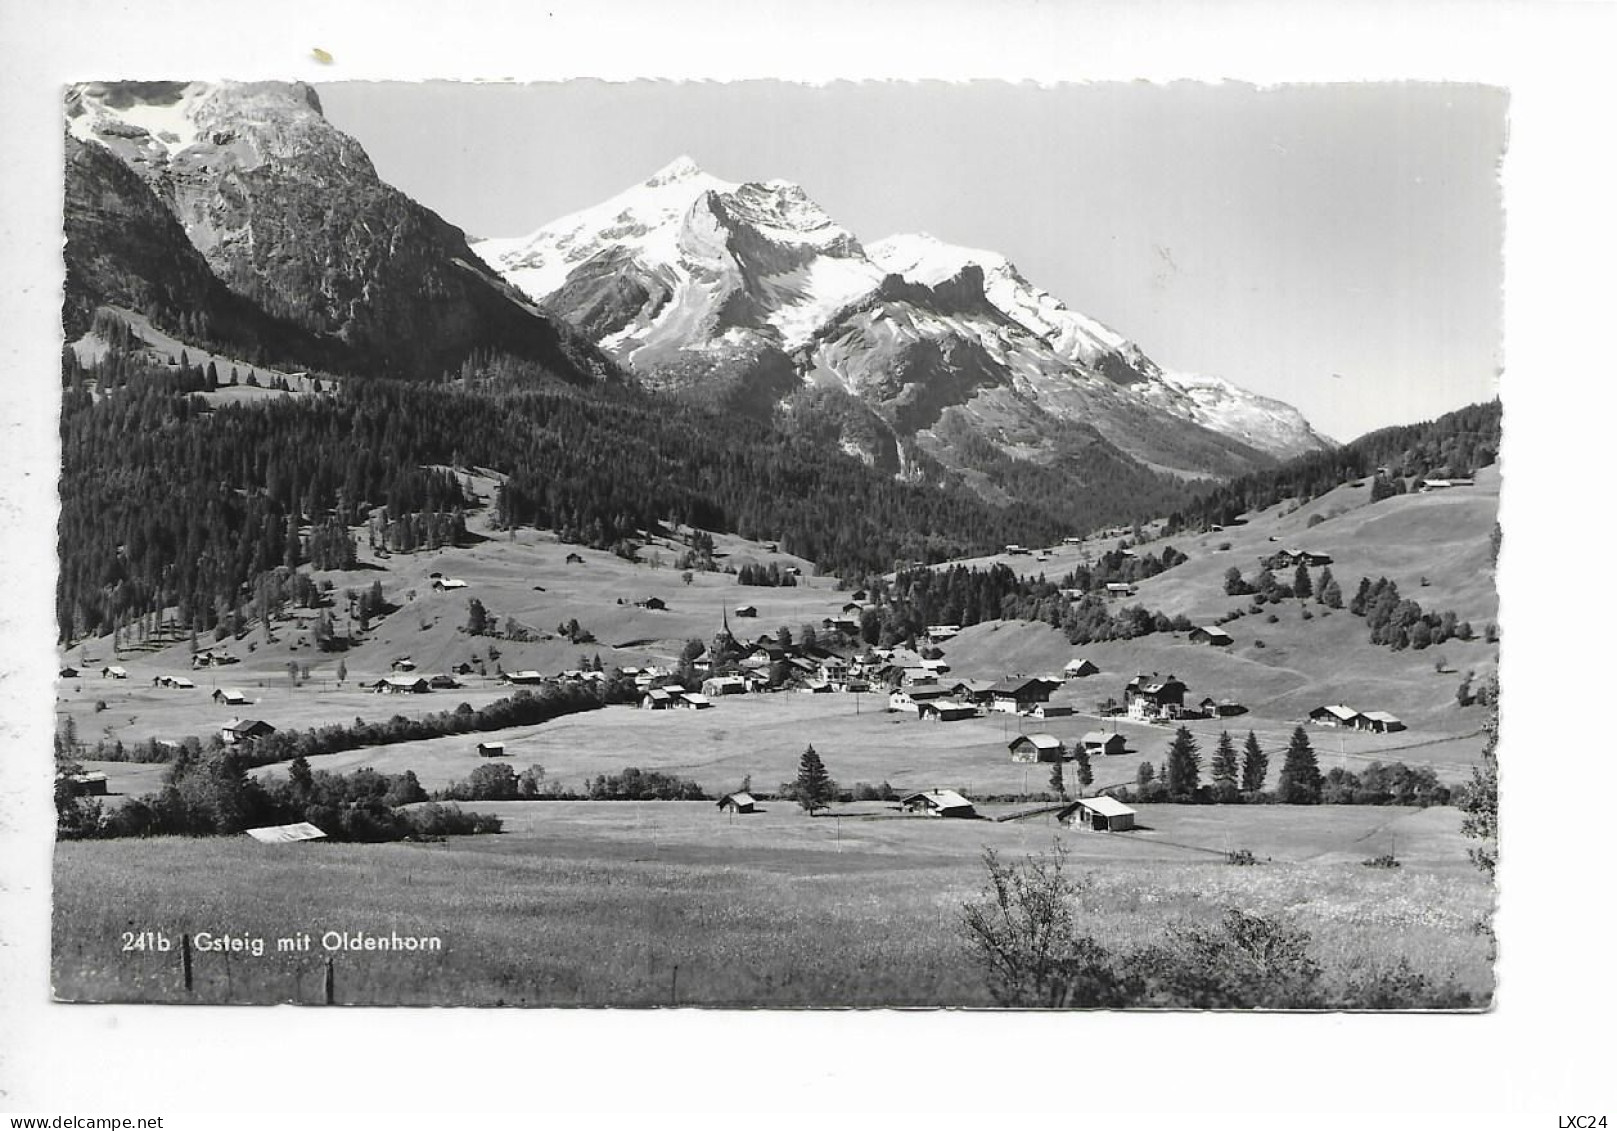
<point x="1022" y="933"/>
<point x="1241" y="856"/>
<point x="1385" y="860"/>
<point x="1400" y="986"/>
<point x="1246" y="962"/>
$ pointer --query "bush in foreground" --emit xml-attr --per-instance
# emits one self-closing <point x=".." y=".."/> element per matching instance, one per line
<point x="1022" y="933"/>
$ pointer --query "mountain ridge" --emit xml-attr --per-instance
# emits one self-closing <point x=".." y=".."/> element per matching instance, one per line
<point x="685" y="265"/>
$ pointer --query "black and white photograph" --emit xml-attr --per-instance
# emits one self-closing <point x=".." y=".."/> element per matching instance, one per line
<point x="982" y="546"/>
<point x="1011" y="557"/>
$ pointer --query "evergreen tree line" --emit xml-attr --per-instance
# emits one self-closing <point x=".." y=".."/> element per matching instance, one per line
<point x="770" y="575"/>
<point x="1239" y="778"/>
<point x="1455" y="444"/>
<point x="169" y="502"/>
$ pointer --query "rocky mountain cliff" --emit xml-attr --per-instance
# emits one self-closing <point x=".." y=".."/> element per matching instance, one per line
<point x="288" y="212"/>
<point x="751" y="294"/>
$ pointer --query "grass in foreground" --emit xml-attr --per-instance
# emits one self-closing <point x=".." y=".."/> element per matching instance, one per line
<point x="586" y="907"/>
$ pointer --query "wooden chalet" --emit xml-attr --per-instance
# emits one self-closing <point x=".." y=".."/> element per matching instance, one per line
<point x="738" y="802"/>
<point x="1211" y="634"/>
<point x="491" y="750"/>
<point x="657" y="699"/>
<point x="938" y="803"/>
<point x="1018" y="694"/>
<point x="1291" y="557"/>
<point x="91" y="784"/>
<point x="911" y="698"/>
<point x="1334" y="715"/>
<point x="724" y="685"/>
<point x="230" y="697"/>
<point x="1050" y="711"/>
<point x="243" y="730"/>
<point x="1079" y="668"/>
<point x="945" y="711"/>
<point x="1379" y="721"/>
<point x="401" y="685"/>
<point x="1037" y="748"/>
<point x="1103" y="814"/>
<point x="1100" y="742"/>
<point x="746" y="610"/>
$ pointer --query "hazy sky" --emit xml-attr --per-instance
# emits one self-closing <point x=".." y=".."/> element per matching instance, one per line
<point x="1336" y="246"/>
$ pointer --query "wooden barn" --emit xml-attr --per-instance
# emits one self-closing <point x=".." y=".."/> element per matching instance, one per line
<point x="1103" y="814"/>
<point x="945" y="711"/>
<point x="1079" y="668"/>
<point x="738" y="802"/>
<point x="1379" y="721"/>
<point x="746" y="610"/>
<point x="1037" y="748"/>
<point x="724" y="685"/>
<point x="1334" y="715"/>
<point x="1211" y="634"/>
<point x="401" y="685"/>
<point x="491" y="750"/>
<point x="1050" y="711"/>
<point x="938" y="803"/>
<point x="1102" y="742"/>
<point x="93" y="784"/>
<point x="241" y="730"/>
<point x="1018" y="694"/>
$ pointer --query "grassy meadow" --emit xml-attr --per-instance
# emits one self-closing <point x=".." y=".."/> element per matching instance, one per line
<point x="661" y="903"/>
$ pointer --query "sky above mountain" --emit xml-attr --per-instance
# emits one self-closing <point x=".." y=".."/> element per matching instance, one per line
<point x="1334" y="246"/>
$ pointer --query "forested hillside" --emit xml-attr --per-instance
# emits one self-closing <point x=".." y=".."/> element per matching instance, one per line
<point x="169" y="502"/>
<point x="1455" y="444"/>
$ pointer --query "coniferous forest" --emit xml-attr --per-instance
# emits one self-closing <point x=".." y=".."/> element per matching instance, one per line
<point x="172" y="505"/>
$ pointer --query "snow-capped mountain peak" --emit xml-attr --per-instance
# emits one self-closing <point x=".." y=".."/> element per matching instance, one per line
<point x="685" y="275"/>
<point x="681" y="168"/>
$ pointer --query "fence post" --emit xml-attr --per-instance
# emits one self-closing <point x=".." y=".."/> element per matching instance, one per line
<point x="331" y="982"/>
<point x="185" y="960"/>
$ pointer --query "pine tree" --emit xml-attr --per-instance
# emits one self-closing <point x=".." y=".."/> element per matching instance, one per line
<point x="1146" y="774"/>
<point x="1300" y="781"/>
<point x="1325" y="582"/>
<point x="1184" y="764"/>
<point x="1058" y="780"/>
<point x="1302" y="585"/>
<point x="814" y="787"/>
<point x="1225" y="767"/>
<point x="1086" y="775"/>
<point x="1254" y="764"/>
